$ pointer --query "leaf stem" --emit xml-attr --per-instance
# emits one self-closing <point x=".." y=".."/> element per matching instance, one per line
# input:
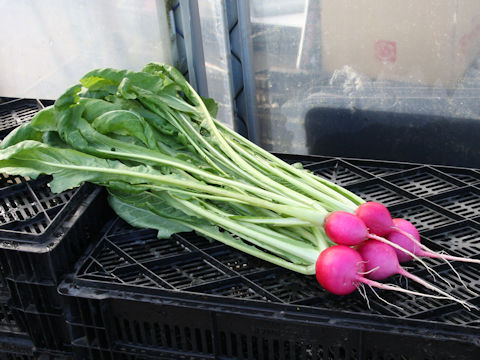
<point x="314" y="216"/>
<point x="298" y="249"/>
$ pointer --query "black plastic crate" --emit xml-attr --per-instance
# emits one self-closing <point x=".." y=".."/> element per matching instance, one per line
<point x="47" y="331"/>
<point x="43" y="257"/>
<point x="187" y="296"/>
<point x="380" y="168"/>
<point x="14" y="112"/>
<point x="86" y="352"/>
<point x="15" y="343"/>
<point x="462" y="238"/>
<point x="464" y="201"/>
<point x="226" y="328"/>
<point x="339" y="172"/>
<point x="8" y="319"/>
<point x="42" y="235"/>
<point x="3" y="286"/>
<point x="422" y="182"/>
<point x="381" y="191"/>
<point x="43" y="298"/>
<point x="18" y="348"/>
<point x="15" y="346"/>
<point x="52" y="355"/>
<point x="33" y="271"/>
<point x="37" y="234"/>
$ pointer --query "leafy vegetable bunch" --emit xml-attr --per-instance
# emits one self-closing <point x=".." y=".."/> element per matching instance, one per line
<point x="168" y="164"/>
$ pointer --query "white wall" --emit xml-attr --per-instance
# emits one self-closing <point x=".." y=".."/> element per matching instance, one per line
<point x="47" y="45"/>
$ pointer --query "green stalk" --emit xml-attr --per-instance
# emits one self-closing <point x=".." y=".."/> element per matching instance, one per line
<point x="212" y="154"/>
<point x="298" y="249"/>
<point x="261" y="181"/>
<point x="251" y="250"/>
<point x="298" y="232"/>
<point x="270" y="234"/>
<point x="136" y="152"/>
<point x="147" y="157"/>
<point x="263" y="230"/>
<point x="203" y="143"/>
<point x="278" y="222"/>
<point x="239" y="163"/>
<point x="315" y="181"/>
<point x="315" y="217"/>
<point x="257" y="176"/>
<point x="331" y="199"/>
<point x="304" y="233"/>
<point x="162" y="110"/>
<point x="239" y="244"/>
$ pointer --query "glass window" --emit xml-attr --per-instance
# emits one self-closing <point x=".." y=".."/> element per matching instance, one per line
<point x="354" y="78"/>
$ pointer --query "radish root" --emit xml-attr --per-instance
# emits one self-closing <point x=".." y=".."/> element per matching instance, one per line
<point x="415" y="257"/>
<point x="434" y="288"/>
<point x="363" y="292"/>
<point x="443" y="296"/>
<point x="383" y="300"/>
<point x="427" y="252"/>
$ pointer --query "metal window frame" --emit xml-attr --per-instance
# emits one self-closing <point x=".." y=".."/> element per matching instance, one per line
<point x="232" y="76"/>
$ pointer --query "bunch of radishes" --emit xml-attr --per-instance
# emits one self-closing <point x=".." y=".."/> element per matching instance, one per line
<point x="370" y="247"/>
<point x="168" y="164"/>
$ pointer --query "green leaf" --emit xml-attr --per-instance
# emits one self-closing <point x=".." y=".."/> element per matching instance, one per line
<point x="137" y="210"/>
<point x="23" y="132"/>
<point x="125" y="89"/>
<point x="93" y="108"/>
<point x="274" y="221"/>
<point x="45" y="120"/>
<point x="168" y="71"/>
<point x="53" y="139"/>
<point x="94" y="94"/>
<point x="148" y="97"/>
<point x="125" y="122"/>
<point x="166" y="139"/>
<point x="154" y="119"/>
<point x="67" y="120"/>
<point x="106" y="80"/>
<point x="69" y="97"/>
<point x="70" y="167"/>
<point x="109" y="79"/>
<point x="211" y="106"/>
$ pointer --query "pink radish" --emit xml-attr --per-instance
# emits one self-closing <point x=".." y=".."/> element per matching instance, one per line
<point x="400" y="233"/>
<point x="381" y="262"/>
<point x="376" y="216"/>
<point x="339" y="269"/>
<point x="406" y="236"/>
<point x="344" y="228"/>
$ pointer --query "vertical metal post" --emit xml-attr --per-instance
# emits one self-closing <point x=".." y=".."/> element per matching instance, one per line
<point x="193" y="45"/>
<point x="220" y="59"/>
<point x="253" y="127"/>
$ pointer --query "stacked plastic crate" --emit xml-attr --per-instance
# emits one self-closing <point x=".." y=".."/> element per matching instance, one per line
<point x="135" y="296"/>
<point x="41" y="236"/>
